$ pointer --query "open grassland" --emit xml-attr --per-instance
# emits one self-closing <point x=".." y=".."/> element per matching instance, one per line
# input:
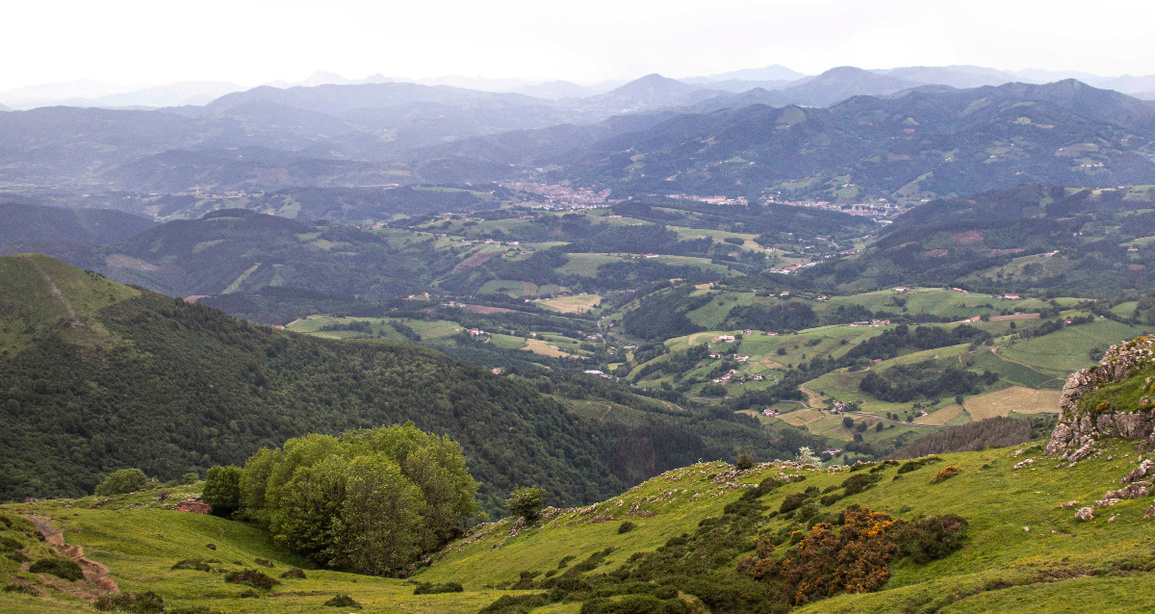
<point x="1014" y="399"/>
<point x="942" y="416"/>
<point x="428" y="329"/>
<point x="802" y="417"/>
<point x="941" y="302"/>
<point x="1028" y="268"/>
<point x="1022" y="552"/>
<point x="63" y="297"/>
<point x="510" y="287"/>
<point x="1066" y="350"/>
<point x="578" y="303"/>
<point x="540" y="346"/>
<point x="586" y="264"/>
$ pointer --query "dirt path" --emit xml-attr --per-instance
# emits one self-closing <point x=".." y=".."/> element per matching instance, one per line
<point x="55" y="292"/>
<point x="94" y="572"/>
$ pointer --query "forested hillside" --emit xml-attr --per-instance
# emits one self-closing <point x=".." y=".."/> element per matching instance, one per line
<point x="97" y="376"/>
<point x="1055" y="239"/>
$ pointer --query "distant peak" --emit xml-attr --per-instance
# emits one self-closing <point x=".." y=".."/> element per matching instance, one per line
<point x="839" y="71"/>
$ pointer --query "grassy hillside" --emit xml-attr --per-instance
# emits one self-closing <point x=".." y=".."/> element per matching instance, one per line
<point x="1022" y="552"/>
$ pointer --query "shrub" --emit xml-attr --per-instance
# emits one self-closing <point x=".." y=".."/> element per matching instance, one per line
<point x="194" y="609"/>
<point x="264" y="562"/>
<point x="856" y="559"/>
<point x="429" y="588"/>
<point x="143" y="603"/>
<point x="342" y="601"/>
<point x="830" y="499"/>
<point x="859" y="482"/>
<point x="295" y="573"/>
<point x="122" y="481"/>
<point x="764" y="487"/>
<point x="743" y="463"/>
<point x="61" y="568"/>
<point x="190" y="478"/>
<point x="931" y="538"/>
<point x="223" y="490"/>
<point x="525" y="502"/>
<point x="625" y="527"/>
<point x="21" y="587"/>
<point x="947" y="472"/>
<point x="791" y="503"/>
<point x="526" y="580"/>
<point x="511" y="604"/>
<point x="917" y="464"/>
<point x="195" y="564"/>
<point x="635" y="604"/>
<point x="251" y="577"/>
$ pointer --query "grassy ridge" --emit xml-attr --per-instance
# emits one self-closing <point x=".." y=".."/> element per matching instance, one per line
<point x="1002" y="566"/>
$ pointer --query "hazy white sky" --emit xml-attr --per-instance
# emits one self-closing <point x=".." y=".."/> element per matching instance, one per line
<point x="254" y="41"/>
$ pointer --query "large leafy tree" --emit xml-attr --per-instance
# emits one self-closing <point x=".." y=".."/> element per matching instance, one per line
<point x="370" y="501"/>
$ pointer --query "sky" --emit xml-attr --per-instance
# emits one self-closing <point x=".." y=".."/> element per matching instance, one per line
<point x="257" y="41"/>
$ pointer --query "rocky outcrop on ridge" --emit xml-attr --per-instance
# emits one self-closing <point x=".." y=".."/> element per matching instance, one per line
<point x="1079" y="428"/>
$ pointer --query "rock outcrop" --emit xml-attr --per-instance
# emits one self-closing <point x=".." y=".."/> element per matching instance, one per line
<point x="1079" y="428"/>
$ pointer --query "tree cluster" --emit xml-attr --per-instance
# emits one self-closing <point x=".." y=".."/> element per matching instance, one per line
<point x="370" y="501"/>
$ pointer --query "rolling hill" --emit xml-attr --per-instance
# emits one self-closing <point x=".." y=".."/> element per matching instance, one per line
<point x="26" y="222"/>
<point x="1084" y="242"/>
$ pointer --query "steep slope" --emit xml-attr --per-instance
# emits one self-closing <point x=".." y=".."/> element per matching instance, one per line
<point x="38" y="223"/>
<point x="97" y="376"/>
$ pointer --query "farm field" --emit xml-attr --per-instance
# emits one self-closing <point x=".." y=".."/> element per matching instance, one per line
<point x="1015" y="399"/>
<point x="1065" y="351"/>
<point x="943" y="416"/>
<point x="540" y="346"/>
<point x="581" y="303"/>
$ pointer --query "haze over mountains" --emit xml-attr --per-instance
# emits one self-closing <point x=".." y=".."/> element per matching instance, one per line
<point x="88" y="93"/>
<point x="847" y="135"/>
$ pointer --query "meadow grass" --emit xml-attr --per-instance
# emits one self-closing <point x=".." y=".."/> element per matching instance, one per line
<point x="1023" y="552"/>
<point x="578" y="303"/>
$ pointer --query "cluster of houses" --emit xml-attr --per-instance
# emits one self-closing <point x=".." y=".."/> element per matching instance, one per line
<point x="874" y="322"/>
<point x="712" y="200"/>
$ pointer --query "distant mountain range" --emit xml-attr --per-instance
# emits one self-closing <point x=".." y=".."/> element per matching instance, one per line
<point x="846" y="134"/>
<point x="87" y="93"/>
